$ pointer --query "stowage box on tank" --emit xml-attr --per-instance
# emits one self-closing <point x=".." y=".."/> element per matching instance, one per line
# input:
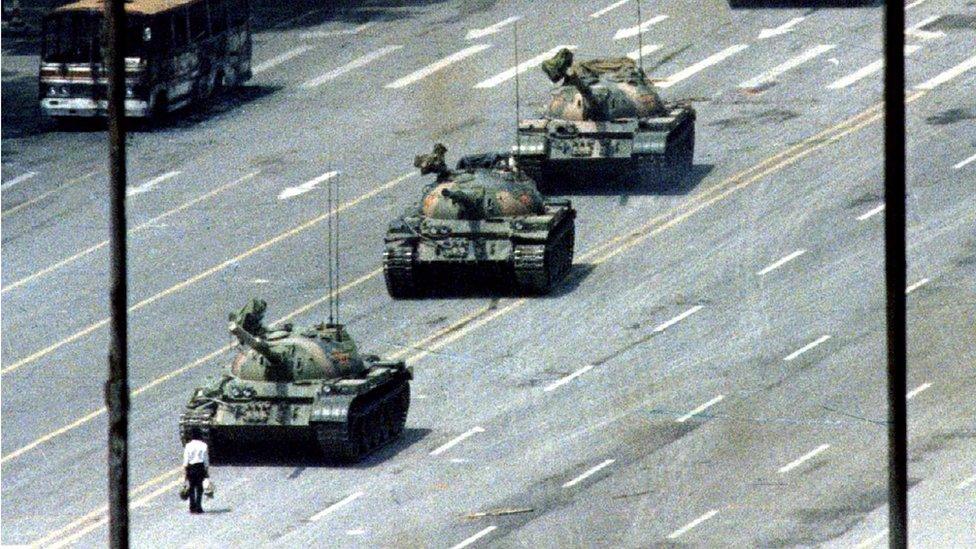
<point x="605" y="121"/>
<point x="300" y="385"/>
<point x="482" y="218"/>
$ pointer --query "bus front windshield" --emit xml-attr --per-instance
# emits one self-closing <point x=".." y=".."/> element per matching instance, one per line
<point x="75" y="37"/>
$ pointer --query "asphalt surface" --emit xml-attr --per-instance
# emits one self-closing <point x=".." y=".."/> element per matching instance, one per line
<point x="711" y="374"/>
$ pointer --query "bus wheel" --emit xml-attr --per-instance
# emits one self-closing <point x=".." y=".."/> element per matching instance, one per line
<point x="220" y="83"/>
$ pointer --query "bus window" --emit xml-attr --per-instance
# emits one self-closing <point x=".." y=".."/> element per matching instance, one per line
<point x="218" y="16"/>
<point x="198" y="21"/>
<point x="179" y="29"/>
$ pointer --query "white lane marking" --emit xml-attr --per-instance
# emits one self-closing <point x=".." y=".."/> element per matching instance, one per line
<point x="562" y="381"/>
<point x="677" y="319"/>
<point x="780" y="262"/>
<point x="260" y="281"/>
<point x="700" y="409"/>
<point x="589" y="472"/>
<point x="713" y="59"/>
<point x="639" y="29"/>
<point x="965" y="162"/>
<point x="916" y="286"/>
<point x="474" y="34"/>
<point x="351" y="66"/>
<point x="522" y="67"/>
<point x="948" y="75"/>
<point x="291" y="192"/>
<point x="341" y="503"/>
<point x="301" y="17"/>
<point x="914" y="4"/>
<point x="803" y="459"/>
<point x="603" y="11"/>
<point x="356" y="532"/>
<point x="917" y="390"/>
<point x="964" y="484"/>
<point x="279" y="59"/>
<point x="457" y="440"/>
<point x="871" y="213"/>
<point x="771" y="75"/>
<point x="17" y="180"/>
<point x="340" y="32"/>
<point x="915" y="31"/>
<point x="475" y="537"/>
<point x="687" y="527"/>
<point x="782" y="29"/>
<point x="644" y="50"/>
<point x="866" y="71"/>
<point x="148" y="185"/>
<point x="792" y="356"/>
<point x="872" y="540"/>
<point x="436" y="66"/>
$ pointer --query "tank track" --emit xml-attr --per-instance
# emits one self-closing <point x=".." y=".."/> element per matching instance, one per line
<point x="539" y="267"/>
<point x="400" y="272"/>
<point x="374" y="421"/>
<point x="676" y="161"/>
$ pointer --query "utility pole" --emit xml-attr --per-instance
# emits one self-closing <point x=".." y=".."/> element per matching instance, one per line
<point x="117" y="385"/>
<point x="895" y="272"/>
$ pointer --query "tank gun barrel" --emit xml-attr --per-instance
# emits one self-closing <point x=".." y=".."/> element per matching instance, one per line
<point x="260" y="346"/>
<point x="462" y="199"/>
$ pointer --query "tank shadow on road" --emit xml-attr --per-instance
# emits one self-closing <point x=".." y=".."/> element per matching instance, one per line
<point x="305" y="454"/>
<point x="645" y="185"/>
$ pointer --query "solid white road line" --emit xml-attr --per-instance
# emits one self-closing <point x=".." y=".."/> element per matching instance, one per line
<point x="780" y="262"/>
<point x="341" y="32"/>
<point x="687" y="527"/>
<point x="17" y="180"/>
<point x="608" y="9"/>
<point x="866" y="71"/>
<point x="782" y="29"/>
<point x="436" y="66"/>
<point x="789" y="64"/>
<point x="457" y="440"/>
<point x="277" y="60"/>
<point x="871" y="213"/>
<point x="872" y="540"/>
<point x="589" y="472"/>
<point x="916" y="286"/>
<point x="475" y="537"/>
<point x="965" y="162"/>
<point x="948" y="75"/>
<point x="915" y="4"/>
<point x="792" y="356"/>
<point x="713" y="59"/>
<point x="341" y="503"/>
<point x="677" y="319"/>
<point x="562" y="381"/>
<point x="700" y="409"/>
<point x="297" y="190"/>
<point x="351" y="66"/>
<point x="474" y="34"/>
<point x="803" y="459"/>
<point x="522" y="67"/>
<point x="915" y="392"/>
<point x="148" y="185"/>
<point x="639" y="29"/>
<point x="646" y="49"/>
<point x="915" y="31"/>
<point x="964" y="484"/>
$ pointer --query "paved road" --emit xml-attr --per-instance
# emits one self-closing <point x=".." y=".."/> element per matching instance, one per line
<point x="711" y="374"/>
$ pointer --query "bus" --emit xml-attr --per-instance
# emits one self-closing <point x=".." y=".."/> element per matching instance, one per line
<point x="177" y="52"/>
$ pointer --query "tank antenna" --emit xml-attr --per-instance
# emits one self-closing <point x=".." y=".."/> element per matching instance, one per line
<point x="518" y="105"/>
<point x="640" y="38"/>
<point x="338" y="332"/>
<point x="329" y="230"/>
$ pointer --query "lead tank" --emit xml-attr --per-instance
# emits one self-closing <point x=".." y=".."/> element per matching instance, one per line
<point x="605" y="121"/>
<point x="482" y="218"/>
<point x="306" y="385"/>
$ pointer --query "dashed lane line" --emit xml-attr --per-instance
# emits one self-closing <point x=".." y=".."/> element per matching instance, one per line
<point x="564" y="380"/>
<point x="709" y="61"/>
<point x="336" y="506"/>
<point x="475" y="34"/>
<point x="17" y="180"/>
<point x="667" y="324"/>
<point x="357" y="63"/>
<point x="644" y="51"/>
<point x="917" y="391"/>
<point x="279" y="59"/>
<point x="796" y="354"/>
<point x="456" y="440"/>
<point x="589" y="473"/>
<point x="866" y="71"/>
<point x="803" y="459"/>
<point x="691" y="525"/>
<point x="53" y="191"/>
<point x="772" y="74"/>
<point x="780" y="262"/>
<point x="207" y="273"/>
<point x="965" y="163"/>
<point x="871" y="541"/>
<point x="308" y="186"/>
<point x="148" y="185"/>
<point x="871" y="213"/>
<point x="916" y="286"/>
<point x="639" y="29"/>
<point x="441" y="64"/>
<point x="948" y="75"/>
<point x="508" y="74"/>
<point x="700" y="409"/>
<point x="337" y="32"/>
<point x="475" y="537"/>
<point x="603" y="11"/>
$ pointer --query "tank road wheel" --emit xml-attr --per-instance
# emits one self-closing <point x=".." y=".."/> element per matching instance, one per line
<point x="373" y="421"/>
<point x="339" y="441"/>
<point x="399" y="271"/>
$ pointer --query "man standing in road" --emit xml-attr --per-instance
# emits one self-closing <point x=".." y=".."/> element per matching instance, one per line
<point x="196" y="460"/>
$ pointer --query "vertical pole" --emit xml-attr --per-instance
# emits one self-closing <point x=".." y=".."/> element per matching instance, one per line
<point x="895" y="272"/>
<point x="117" y="386"/>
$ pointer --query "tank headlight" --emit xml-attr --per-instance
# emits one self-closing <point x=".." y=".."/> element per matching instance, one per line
<point x="57" y="91"/>
<point x="129" y="92"/>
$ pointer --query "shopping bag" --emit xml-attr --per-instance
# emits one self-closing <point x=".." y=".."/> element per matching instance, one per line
<point x="185" y="490"/>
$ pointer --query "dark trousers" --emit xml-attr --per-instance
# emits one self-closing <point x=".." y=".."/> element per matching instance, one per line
<point x="195" y="474"/>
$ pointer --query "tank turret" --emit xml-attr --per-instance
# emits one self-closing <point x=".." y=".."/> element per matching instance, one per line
<point x="471" y="206"/>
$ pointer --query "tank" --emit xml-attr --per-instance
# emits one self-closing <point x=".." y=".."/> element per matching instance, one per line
<point x="605" y="121"/>
<point x="482" y="218"/>
<point x="301" y="385"/>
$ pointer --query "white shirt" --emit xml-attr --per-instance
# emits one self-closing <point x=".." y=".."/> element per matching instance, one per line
<point x="195" y="451"/>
